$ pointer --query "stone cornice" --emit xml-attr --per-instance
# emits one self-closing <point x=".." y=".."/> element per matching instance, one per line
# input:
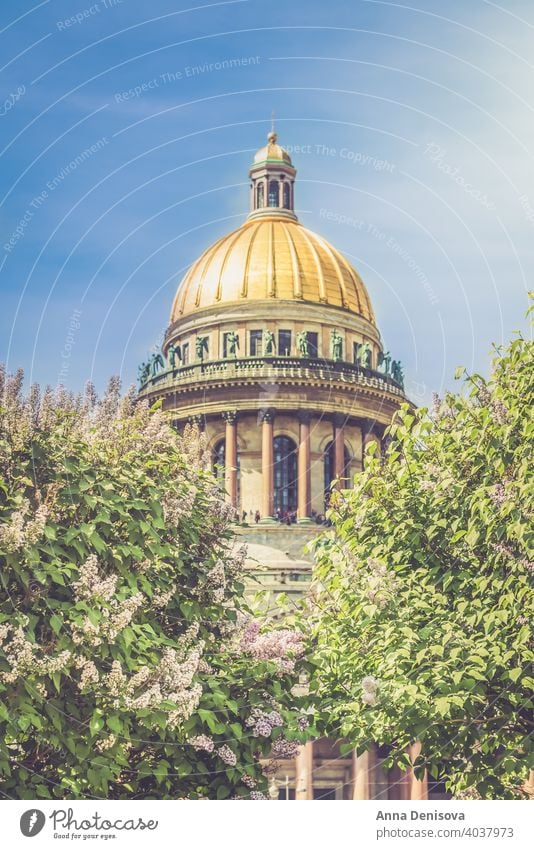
<point x="363" y="408"/>
<point x="256" y="371"/>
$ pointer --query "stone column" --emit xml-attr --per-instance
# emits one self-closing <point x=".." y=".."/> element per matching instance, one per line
<point x="418" y="789"/>
<point x="399" y="784"/>
<point x="267" y="466"/>
<point x="230" y="457"/>
<point x="304" y="469"/>
<point x="304" y="773"/>
<point x="363" y="774"/>
<point x="339" y="449"/>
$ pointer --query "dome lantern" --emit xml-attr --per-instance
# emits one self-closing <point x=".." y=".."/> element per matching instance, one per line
<point x="272" y="181"/>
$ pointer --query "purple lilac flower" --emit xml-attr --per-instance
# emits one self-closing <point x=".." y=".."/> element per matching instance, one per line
<point x="286" y="749"/>
<point x="202" y="743"/>
<point x="226" y="755"/>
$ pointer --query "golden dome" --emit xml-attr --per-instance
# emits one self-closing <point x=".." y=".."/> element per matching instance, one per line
<point x="272" y="152"/>
<point x="271" y="257"/>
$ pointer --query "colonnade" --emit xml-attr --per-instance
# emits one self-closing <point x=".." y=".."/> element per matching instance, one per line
<point x="267" y="418"/>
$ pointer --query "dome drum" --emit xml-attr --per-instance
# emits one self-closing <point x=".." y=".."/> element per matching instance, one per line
<point x="236" y="333"/>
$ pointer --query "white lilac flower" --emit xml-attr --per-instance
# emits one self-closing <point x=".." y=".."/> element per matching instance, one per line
<point x="12" y="533"/>
<point x="161" y="599"/>
<point x="89" y="673"/>
<point x="370" y="684"/>
<point x="106" y="743"/>
<point x="498" y="494"/>
<point x="90" y="585"/>
<point x="500" y="413"/>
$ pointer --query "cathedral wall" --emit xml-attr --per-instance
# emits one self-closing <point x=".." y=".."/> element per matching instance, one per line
<point x="287" y="426"/>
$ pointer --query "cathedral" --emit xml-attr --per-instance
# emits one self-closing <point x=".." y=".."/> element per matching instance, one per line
<point x="274" y="352"/>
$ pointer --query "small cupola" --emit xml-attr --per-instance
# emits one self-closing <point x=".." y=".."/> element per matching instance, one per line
<point x="272" y="185"/>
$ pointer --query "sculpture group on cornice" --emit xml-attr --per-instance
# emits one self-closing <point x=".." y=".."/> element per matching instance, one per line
<point x="151" y="368"/>
<point x="391" y="367"/>
<point x="363" y="354"/>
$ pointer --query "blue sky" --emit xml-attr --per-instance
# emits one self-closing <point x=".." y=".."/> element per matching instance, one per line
<point x="124" y="155"/>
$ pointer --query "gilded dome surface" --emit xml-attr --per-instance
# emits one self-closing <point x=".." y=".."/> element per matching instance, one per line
<point x="272" y="257"/>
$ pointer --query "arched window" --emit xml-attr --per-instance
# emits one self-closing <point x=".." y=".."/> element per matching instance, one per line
<point x="273" y="193"/>
<point x="285" y="474"/>
<point x="259" y="196"/>
<point x="287" y="196"/>
<point x="329" y="467"/>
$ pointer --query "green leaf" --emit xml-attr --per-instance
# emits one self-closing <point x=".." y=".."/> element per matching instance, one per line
<point x="96" y="724"/>
<point x="114" y="723"/>
<point x="56" y="623"/>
